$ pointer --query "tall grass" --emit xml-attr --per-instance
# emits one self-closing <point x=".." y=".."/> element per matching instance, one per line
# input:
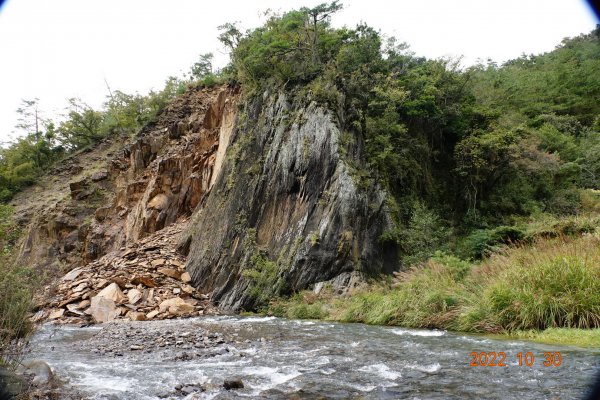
<point x="550" y="283"/>
<point x="426" y="297"/>
<point x="16" y="286"/>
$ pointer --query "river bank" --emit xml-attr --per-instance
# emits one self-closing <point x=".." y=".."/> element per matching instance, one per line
<point x="277" y="358"/>
<point x="295" y="308"/>
<point x="545" y="291"/>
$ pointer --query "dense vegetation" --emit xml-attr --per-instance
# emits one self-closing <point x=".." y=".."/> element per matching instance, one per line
<point x="464" y="153"/>
<point x="473" y="160"/>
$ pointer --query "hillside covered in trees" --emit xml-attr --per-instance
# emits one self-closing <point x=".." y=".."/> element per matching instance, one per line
<point x="472" y="147"/>
<point x="471" y="159"/>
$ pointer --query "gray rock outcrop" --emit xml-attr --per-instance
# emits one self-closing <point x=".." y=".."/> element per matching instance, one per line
<point x="286" y="211"/>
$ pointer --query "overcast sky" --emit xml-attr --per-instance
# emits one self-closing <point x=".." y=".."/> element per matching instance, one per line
<point x="58" y="49"/>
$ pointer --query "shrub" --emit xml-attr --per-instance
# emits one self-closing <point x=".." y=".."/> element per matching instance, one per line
<point x="15" y="304"/>
<point x="265" y="280"/>
<point x="551" y="284"/>
<point x="483" y="242"/>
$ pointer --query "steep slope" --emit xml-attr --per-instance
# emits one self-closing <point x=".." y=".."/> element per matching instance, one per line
<point x="285" y="211"/>
<point x="268" y="183"/>
<point x="102" y="215"/>
<point x="125" y="189"/>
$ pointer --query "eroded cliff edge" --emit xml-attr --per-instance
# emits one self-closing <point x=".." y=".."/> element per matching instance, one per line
<point x="285" y="211"/>
<point x="124" y="189"/>
<point x="264" y="188"/>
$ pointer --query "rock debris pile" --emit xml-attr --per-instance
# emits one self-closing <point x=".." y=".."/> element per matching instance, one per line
<point x="145" y="281"/>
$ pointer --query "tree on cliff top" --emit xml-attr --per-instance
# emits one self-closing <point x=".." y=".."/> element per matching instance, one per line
<point x="289" y="48"/>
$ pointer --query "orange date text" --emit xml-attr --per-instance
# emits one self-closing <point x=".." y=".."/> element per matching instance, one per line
<point x="522" y="359"/>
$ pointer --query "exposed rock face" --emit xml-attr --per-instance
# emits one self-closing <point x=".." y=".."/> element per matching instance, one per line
<point x="271" y="187"/>
<point x="286" y="197"/>
<point x="102" y="199"/>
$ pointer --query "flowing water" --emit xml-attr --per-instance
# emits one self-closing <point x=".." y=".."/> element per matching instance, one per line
<point x="280" y="359"/>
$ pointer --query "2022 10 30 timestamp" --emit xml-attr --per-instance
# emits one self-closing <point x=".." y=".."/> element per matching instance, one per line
<point x="523" y="359"/>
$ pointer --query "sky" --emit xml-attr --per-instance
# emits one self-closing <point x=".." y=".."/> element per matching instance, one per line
<point x="54" y="50"/>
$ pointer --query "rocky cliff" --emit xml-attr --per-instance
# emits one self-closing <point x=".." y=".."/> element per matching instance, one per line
<point x="285" y="211"/>
<point x="267" y="182"/>
<point x="110" y="196"/>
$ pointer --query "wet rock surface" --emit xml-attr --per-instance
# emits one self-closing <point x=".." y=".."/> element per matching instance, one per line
<point x="147" y="340"/>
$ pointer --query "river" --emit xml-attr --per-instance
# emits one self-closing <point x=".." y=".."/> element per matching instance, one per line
<point x="280" y="359"/>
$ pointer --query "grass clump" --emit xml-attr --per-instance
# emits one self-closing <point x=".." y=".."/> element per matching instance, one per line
<point x="426" y="297"/>
<point x="551" y="285"/>
<point x="17" y="283"/>
<point x="564" y="336"/>
<point x="15" y="305"/>
<point x="304" y="305"/>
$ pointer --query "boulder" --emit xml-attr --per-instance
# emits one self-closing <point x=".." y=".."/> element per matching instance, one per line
<point x="103" y="309"/>
<point x="80" y="189"/>
<point x="134" y="296"/>
<point x="80" y="287"/>
<point x="187" y="289"/>
<point x="136" y="316"/>
<point x="99" y="176"/>
<point x="112" y="292"/>
<point x="73" y="308"/>
<point x="83" y="304"/>
<point x="229" y="384"/>
<point x="72" y="275"/>
<point x="173" y="273"/>
<point x="185" y="277"/>
<point x="39" y="370"/>
<point x="144" y="280"/>
<point x="152" y="314"/>
<point x="121" y="281"/>
<point x="56" y="313"/>
<point x="176" y="306"/>
<point x="158" y="262"/>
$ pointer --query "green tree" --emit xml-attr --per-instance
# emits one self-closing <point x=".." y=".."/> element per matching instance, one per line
<point x="203" y="67"/>
<point x="83" y="125"/>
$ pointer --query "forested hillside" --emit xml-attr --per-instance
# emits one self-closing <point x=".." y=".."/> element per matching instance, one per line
<point x="478" y="165"/>
<point x="470" y="146"/>
<point x="459" y="150"/>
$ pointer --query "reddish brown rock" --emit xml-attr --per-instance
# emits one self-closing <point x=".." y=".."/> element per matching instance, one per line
<point x="173" y="273"/>
<point x="144" y="280"/>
